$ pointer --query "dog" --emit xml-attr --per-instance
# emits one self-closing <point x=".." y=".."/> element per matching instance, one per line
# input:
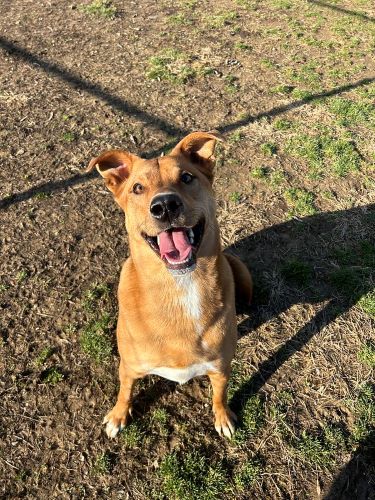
<point x="176" y="293"/>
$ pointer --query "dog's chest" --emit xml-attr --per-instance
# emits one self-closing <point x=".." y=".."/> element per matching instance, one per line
<point x="190" y="300"/>
<point x="182" y="375"/>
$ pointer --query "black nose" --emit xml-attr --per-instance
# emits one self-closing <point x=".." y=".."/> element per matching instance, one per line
<point x="166" y="206"/>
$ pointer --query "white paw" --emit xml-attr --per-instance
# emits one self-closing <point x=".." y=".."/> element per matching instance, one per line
<point x="224" y="423"/>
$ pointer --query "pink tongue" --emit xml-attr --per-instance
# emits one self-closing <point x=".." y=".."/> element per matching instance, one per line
<point x="174" y="245"/>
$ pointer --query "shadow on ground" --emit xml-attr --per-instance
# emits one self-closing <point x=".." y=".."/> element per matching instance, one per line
<point x="327" y="258"/>
<point x="129" y="109"/>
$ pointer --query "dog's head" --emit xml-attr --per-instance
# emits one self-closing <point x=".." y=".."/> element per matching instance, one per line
<point x="168" y="201"/>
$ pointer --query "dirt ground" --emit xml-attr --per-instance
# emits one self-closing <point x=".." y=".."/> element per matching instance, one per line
<point x="291" y="85"/>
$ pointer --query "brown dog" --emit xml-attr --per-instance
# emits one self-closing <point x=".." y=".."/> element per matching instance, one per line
<point x="176" y="291"/>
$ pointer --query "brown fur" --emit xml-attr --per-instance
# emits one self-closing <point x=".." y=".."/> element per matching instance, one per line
<point x="156" y="325"/>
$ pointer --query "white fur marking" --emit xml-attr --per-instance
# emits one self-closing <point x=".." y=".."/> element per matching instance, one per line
<point x="191" y="299"/>
<point x="182" y="375"/>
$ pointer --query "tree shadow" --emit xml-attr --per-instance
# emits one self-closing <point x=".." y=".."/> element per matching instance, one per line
<point x="327" y="258"/>
<point x="342" y="10"/>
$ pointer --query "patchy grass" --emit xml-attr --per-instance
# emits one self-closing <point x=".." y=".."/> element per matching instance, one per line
<point x="297" y="272"/>
<point x="259" y="172"/>
<point x="96" y="292"/>
<point x="325" y="154"/>
<point x="22" y="275"/>
<point x="221" y="19"/>
<point x="43" y="356"/>
<point x="364" y="412"/>
<point x="300" y="202"/>
<point x="251" y="417"/>
<point x="95" y="340"/>
<point x="52" y="376"/>
<point x="132" y="435"/>
<point x="68" y="136"/>
<point x="102" y="464"/>
<point x="102" y="8"/>
<point x="367" y="303"/>
<point x="192" y="475"/>
<point x="170" y="65"/>
<point x="282" y="124"/>
<point x="235" y="197"/>
<point x="367" y="354"/>
<point x="349" y="112"/>
<point x="247" y="474"/>
<point x="320" y="449"/>
<point x="159" y="420"/>
<point x="268" y="148"/>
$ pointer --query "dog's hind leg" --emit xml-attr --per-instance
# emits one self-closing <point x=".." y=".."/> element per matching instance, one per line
<point x="243" y="282"/>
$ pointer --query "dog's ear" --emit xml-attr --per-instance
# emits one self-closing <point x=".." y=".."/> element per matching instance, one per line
<point x="199" y="148"/>
<point x="114" y="166"/>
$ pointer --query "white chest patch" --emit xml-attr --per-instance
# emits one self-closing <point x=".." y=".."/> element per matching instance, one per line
<point x="190" y="298"/>
<point x="182" y="375"/>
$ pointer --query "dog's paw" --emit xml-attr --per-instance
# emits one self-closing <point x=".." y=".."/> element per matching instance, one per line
<point x="225" y="422"/>
<point x="115" y="421"/>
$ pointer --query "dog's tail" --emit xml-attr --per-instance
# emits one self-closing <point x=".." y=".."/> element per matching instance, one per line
<point x="243" y="282"/>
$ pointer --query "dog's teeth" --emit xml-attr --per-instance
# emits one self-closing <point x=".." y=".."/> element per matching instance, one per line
<point x="191" y="235"/>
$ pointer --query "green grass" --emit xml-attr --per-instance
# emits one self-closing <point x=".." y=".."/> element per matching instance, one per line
<point x="367" y="354"/>
<point x="320" y="450"/>
<point x="346" y="280"/>
<point x="364" y="413"/>
<point x="159" y="420"/>
<point x="251" y="418"/>
<point x="242" y="46"/>
<point x="102" y="464"/>
<point x="22" y="275"/>
<point x="325" y="154"/>
<point x="96" y="292"/>
<point x="235" y="197"/>
<point x="231" y="84"/>
<point x="367" y="303"/>
<point x="235" y="137"/>
<point x="179" y="19"/>
<point x="259" y="172"/>
<point x="192" y="476"/>
<point x="53" y="376"/>
<point x="95" y="340"/>
<point x="43" y="356"/>
<point x="297" y="272"/>
<point x="300" y="202"/>
<point x="268" y="148"/>
<point x="170" y="65"/>
<point x="68" y="136"/>
<point x="282" y="124"/>
<point x="350" y="112"/>
<point x="221" y="19"/>
<point x="102" y="8"/>
<point x="247" y="475"/>
<point x="42" y="196"/>
<point x="132" y="435"/>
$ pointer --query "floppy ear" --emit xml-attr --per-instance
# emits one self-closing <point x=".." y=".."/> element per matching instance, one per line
<point x="199" y="148"/>
<point x="114" y="166"/>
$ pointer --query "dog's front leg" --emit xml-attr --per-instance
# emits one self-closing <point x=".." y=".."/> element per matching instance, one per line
<point x="224" y="417"/>
<point x="117" y="417"/>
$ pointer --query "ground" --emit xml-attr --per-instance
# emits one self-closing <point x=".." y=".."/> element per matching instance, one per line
<point x="291" y="86"/>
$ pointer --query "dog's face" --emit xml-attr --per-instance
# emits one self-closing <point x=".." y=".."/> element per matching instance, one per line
<point x="168" y="201"/>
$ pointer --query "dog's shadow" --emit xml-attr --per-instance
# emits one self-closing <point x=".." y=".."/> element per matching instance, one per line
<point x="327" y="258"/>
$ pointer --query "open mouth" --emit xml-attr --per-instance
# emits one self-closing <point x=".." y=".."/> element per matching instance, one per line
<point x="178" y="247"/>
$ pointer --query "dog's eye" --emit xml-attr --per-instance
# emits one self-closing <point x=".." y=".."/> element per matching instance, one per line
<point x="137" y="188"/>
<point x="186" y="178"/>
